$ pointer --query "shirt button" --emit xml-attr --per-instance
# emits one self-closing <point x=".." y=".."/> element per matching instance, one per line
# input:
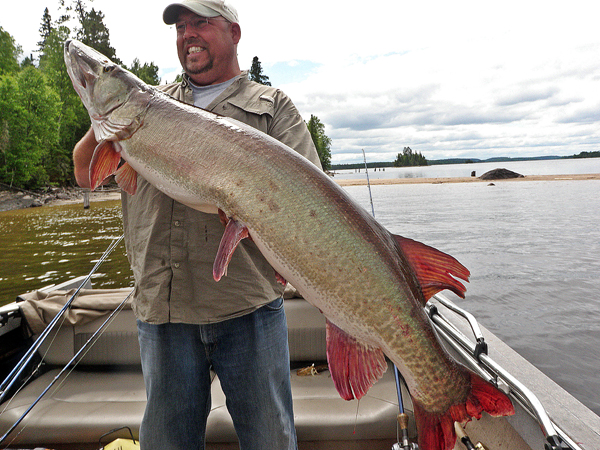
<point x="177" y="223"/>
<point x="176" y="265"/>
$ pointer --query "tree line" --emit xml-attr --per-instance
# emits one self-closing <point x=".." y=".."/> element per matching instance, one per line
<point x="41" y="115"/>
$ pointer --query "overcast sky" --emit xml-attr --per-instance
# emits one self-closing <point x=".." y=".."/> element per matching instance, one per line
<point x="448" y="79"/>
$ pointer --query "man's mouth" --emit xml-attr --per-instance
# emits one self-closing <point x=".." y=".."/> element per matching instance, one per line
<point x="195" y="49"/>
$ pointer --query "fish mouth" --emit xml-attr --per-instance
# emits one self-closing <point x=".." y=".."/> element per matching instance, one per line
<point x="84" y="65"/>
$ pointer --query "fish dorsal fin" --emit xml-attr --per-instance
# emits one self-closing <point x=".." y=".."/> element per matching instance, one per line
<point x="354" y="365"/>
<point x="435" y="270"/>
<point x="126" y="178"/>
<point x="105" y="162"/>
<point x="234" y="233"/>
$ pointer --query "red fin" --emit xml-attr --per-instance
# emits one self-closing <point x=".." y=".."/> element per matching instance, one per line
<point x="436" y="431"/>
<point x="234" y="233"/>
<point x="126" y="178"/>
<point x="354" y="365"/>
<point x="105" y="162"/>
<point x="493" y="401"/>
<point x="435" y="270"/>
<point x="280" y="279"/>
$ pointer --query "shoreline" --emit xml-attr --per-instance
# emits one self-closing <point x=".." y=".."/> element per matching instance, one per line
<point x="385" y="181"/>
<point x="65" y="196"/>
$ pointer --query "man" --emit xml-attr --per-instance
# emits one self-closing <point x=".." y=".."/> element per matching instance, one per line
<point x="187" y="323"/>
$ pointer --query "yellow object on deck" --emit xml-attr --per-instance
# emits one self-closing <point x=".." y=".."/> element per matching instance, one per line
<point x="122" y="444"/>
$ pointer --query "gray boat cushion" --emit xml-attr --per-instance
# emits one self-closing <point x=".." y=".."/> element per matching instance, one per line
<point x="106" y="390"/>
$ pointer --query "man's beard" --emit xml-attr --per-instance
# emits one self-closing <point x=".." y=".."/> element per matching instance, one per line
<point x="195" y="71"/>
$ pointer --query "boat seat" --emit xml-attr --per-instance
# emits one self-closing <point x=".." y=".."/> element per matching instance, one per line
<point x="106" y="390"/>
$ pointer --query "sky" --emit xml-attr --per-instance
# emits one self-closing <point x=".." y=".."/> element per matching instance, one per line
<point x="463" y="79"/>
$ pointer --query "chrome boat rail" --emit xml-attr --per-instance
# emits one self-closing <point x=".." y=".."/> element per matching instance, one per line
<point x="476" y="357"/>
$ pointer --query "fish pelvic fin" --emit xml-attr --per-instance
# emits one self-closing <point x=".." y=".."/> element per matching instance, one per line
<point x="354" y="365"/>
<point x="434" y="269"/>
<point x="234" y="233"/>
<point x="126" y="178"/>
<point x="436" y="430"/>
<point x="105" y="162"/>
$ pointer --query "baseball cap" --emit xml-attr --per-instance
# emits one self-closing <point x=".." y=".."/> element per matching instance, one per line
<point x="204" y="8"/>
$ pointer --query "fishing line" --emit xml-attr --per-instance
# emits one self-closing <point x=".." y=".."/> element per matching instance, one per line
<point x="73" y="362"/>
<point x="10" y="380"/>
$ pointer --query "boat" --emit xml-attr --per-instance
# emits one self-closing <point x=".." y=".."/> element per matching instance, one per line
<point x="88" y="368"/>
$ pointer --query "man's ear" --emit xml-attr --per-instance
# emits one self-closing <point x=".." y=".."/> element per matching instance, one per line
<point x="236" y="32"/>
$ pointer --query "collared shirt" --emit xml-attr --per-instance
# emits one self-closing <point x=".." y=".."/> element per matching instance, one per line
<point x="171" y="248"/>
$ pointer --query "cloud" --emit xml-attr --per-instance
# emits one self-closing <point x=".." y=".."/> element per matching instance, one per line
<point x="527" y="94"/>
<point x="447" y="79"/>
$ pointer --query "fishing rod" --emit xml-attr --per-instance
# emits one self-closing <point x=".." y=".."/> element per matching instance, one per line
<point x="402" y="416"/>
<point x="74" y="361"/>
<point x="18" y="370"/>
<point x="368" y="182"/>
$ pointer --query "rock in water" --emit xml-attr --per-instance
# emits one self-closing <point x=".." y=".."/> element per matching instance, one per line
<point x="500" y="174"/>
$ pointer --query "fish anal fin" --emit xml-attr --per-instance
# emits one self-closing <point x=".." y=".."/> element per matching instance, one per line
<point x="126" y="178"/>
<point x="354" y="365"/>
<point x="234" y="233"/>
<point x="435" y="270"/>
<point x="104" y="163"/>
<point x="436" y="430"/>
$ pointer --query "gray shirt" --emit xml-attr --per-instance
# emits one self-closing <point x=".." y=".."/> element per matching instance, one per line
<point x="171" y="247"/>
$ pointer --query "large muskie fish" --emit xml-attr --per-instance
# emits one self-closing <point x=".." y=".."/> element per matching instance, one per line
<point x="370" y="284"/>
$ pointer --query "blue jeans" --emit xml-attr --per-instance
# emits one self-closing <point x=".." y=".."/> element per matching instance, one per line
<point x="251" y="358"/>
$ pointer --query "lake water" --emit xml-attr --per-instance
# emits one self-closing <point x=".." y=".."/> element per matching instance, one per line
<point x="532" y="248"/>
<point x="538" y="167"/>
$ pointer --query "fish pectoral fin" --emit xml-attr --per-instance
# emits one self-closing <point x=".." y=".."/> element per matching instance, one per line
<point x="234" y="233"/>
<point x="126" y="178"/>
<point x="354" y="365"/>
<point x="104" y="163"/>
<point x="435" y="270"/>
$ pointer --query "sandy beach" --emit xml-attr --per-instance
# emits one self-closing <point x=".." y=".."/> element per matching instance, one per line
<point x="378" y="181"/>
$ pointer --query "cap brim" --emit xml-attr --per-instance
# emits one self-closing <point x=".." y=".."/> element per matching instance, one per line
<point x="171" y="12"/>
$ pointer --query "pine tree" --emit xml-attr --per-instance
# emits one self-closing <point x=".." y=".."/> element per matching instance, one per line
<point x="45" y="29"/>
<point x="256" y="74"/>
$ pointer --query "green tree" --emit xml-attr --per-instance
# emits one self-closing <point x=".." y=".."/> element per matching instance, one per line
<point x="93" y="32"/>
<point x="410" y="158"/>
<point x="73" y="120"/>
<point x="29" y="110"/>
<point x="256" y="74"/>
<point x="321" y="141"/>
<point x="9" y="53"/>
<point x="147" y="72"/>
<point x="46" y="28"/>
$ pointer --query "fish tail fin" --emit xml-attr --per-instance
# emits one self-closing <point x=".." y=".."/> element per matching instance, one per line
<point x="436" y="430"/>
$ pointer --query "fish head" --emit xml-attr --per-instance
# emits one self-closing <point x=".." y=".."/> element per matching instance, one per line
<point x="114" y="98"/>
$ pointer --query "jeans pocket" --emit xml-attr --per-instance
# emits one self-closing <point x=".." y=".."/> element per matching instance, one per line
<point x="275" y="305"/>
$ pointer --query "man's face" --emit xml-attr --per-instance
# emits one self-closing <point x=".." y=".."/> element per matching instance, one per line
<point x="207" y="50"/>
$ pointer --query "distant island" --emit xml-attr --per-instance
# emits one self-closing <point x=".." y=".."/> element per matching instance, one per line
<point x="435" y="162"/>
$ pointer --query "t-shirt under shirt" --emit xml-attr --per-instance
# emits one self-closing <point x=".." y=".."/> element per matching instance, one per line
<point x="204" y="95"/>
